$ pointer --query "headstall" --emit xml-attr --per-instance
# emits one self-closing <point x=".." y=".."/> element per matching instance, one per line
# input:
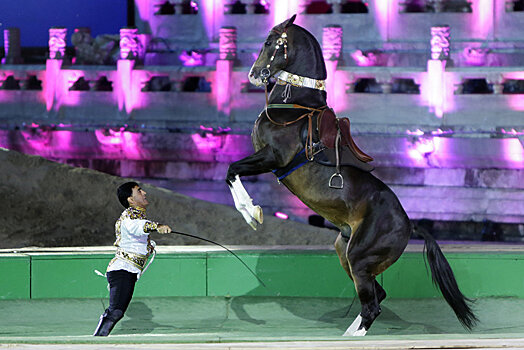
<point x="288" y="79"/>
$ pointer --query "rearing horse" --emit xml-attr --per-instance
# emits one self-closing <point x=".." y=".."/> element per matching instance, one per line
<point x="374" y="228"/>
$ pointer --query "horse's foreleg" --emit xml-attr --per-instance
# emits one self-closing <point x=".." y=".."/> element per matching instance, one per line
<point x="244" y="203"/>
<point x="260" y="162"/>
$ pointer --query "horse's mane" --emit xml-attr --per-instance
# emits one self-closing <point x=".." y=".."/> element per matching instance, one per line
<point x="317" y="51"/>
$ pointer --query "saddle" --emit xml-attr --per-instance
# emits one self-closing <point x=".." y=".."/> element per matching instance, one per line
<point x="328" y="126"/>
<point x="332" y="136"/>
<point x="327" y="141"/>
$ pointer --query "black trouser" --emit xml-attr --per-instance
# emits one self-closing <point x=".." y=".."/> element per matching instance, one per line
<point x="121" y="287"/>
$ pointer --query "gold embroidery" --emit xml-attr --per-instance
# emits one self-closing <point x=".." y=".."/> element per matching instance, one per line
<point x="133" y="214"/>
<point x="137" y="260"/>
<point x="150" y="226"/>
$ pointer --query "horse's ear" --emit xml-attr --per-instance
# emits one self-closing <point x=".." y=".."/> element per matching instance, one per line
<point x="289" y="21"/>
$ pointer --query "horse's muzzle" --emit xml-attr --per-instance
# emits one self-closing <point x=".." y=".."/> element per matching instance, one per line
<point x="254" y="78"/>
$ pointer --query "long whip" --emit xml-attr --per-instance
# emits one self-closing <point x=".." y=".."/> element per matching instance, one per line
<point x="226" y="248"/>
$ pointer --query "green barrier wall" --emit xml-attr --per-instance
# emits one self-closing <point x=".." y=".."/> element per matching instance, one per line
<point x="285" y="273"/>
<point x="15" y="281"/>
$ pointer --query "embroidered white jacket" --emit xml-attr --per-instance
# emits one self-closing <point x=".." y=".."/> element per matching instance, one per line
<point x="132" y="236"/>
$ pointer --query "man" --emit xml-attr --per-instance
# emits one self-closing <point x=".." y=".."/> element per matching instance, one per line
<point x="133" y="248"/>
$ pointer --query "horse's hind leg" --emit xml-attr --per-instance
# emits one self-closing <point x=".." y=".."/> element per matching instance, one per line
<point x="369" y="291"/>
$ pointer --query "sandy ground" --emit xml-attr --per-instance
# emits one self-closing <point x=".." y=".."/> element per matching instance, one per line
<point x="47" y="204"/>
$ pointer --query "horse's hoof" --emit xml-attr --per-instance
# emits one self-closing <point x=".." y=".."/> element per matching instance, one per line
<point x="360" y="333"/>
<point x="258" y="214"/>
<point x="253" y="224"/>
<point x="354" y="328"/>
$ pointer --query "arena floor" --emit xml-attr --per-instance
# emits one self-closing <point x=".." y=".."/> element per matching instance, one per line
<point x="257" y="323"/>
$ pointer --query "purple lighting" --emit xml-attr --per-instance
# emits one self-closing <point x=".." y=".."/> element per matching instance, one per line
<point x="108" y="137"/>
<point x="208" y="143"/>
<point x="513" y="151"/>
<point x="192" y="59"/>
<point x="281" y="215"/>
<point x="417" y="132"/>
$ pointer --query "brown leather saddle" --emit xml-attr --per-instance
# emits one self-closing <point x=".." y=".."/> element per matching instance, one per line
<point x="349" y="154"/>
<point x="328" y="126"/>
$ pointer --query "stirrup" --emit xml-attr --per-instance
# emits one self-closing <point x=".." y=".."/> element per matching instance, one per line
<point x="336" y="175"/>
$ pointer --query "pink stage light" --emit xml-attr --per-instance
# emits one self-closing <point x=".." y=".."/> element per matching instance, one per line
<point x="108" y="137"/>
<point x="516" y="102"/>
<point x="484" y="20"/>
<point x="132" y="145"/>
<point x="208" y="143"/>
<point x="281" y="215"/>
<point x="381" y="15"/>
<point x="281" y="10"/>
<point x="417" y="132"/>
<point x="513" y="151"/>
<point x="436" y="86"/>
<point x="192" y="59"/>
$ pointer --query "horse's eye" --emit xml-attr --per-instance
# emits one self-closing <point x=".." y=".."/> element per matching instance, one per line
<point x="267" y="43"/>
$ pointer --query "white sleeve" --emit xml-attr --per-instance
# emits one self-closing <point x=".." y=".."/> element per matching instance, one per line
<point x="138" y="227"/>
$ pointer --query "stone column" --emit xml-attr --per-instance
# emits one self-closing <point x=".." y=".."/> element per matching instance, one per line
<point x="436" y="82"/>
<point x="12" y="46"/>
<point x="224" y="69"/>
<point x="385" y="81"/>
<point x="227" y="43"/>
<point x="179" y="6"/>
<point x="57" y="43"/>
<point x="498" y="82"/>
<point x="129" y="43"/>
<point x="331" y="49"/>
<point x="336" y="5"/>
<point x="332" y="42"/>
<point x="128" y="56"/>
<point x="440" y="42"/>
<point x="250" y="6"/>
<point x="52" y="90"/>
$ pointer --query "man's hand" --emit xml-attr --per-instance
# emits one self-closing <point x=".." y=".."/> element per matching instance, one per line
<point x="163" y="229"/>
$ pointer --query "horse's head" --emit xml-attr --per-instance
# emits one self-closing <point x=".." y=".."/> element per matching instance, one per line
<point x="290" y="48"/>
<point x="274" y="55"/>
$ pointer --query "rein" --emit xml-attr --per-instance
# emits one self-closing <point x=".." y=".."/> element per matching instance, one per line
<point x="309" y="115"/>
<point x="265" y="73"/>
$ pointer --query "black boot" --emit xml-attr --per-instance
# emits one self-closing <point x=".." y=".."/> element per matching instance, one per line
<point x="107" y="322"/>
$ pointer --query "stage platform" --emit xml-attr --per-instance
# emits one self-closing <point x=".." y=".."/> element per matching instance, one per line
<point x="259" y="322"/>
<point x="203" y="298"/>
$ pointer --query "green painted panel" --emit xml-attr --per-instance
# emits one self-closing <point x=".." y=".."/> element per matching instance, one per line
<point x="408" y="278"/>
<point x="478" y="275"/>
<point x="285" y="274"/>
<point x="171" y="275"/>
<point x="14" y="277"/>
<point x="68" y="276"/>
<point x="72" y="276"/>
<point x="489" y="275"/>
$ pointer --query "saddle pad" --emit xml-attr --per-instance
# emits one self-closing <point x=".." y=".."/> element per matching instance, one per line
<point x="328" y="125"/>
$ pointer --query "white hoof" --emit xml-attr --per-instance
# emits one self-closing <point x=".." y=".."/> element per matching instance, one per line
<point x="353" y="330"/>
<point x="258" y="214"/>
<point x="360" y="333"/>
<point x="249" y="218"/>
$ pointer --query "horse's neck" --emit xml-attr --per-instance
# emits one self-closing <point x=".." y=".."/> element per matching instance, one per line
<point x="298" y="95"/>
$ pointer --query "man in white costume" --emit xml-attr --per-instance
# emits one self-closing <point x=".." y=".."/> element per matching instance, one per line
<point x="133" y="248"/>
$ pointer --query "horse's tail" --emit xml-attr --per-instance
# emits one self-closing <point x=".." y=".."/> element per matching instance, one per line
<point x="443" y="276"/>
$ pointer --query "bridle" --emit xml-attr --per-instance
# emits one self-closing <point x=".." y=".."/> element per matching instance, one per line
<point x="265" y="74"/>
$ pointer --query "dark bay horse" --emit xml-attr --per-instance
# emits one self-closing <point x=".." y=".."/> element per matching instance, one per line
<point x="374" y="228"/>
